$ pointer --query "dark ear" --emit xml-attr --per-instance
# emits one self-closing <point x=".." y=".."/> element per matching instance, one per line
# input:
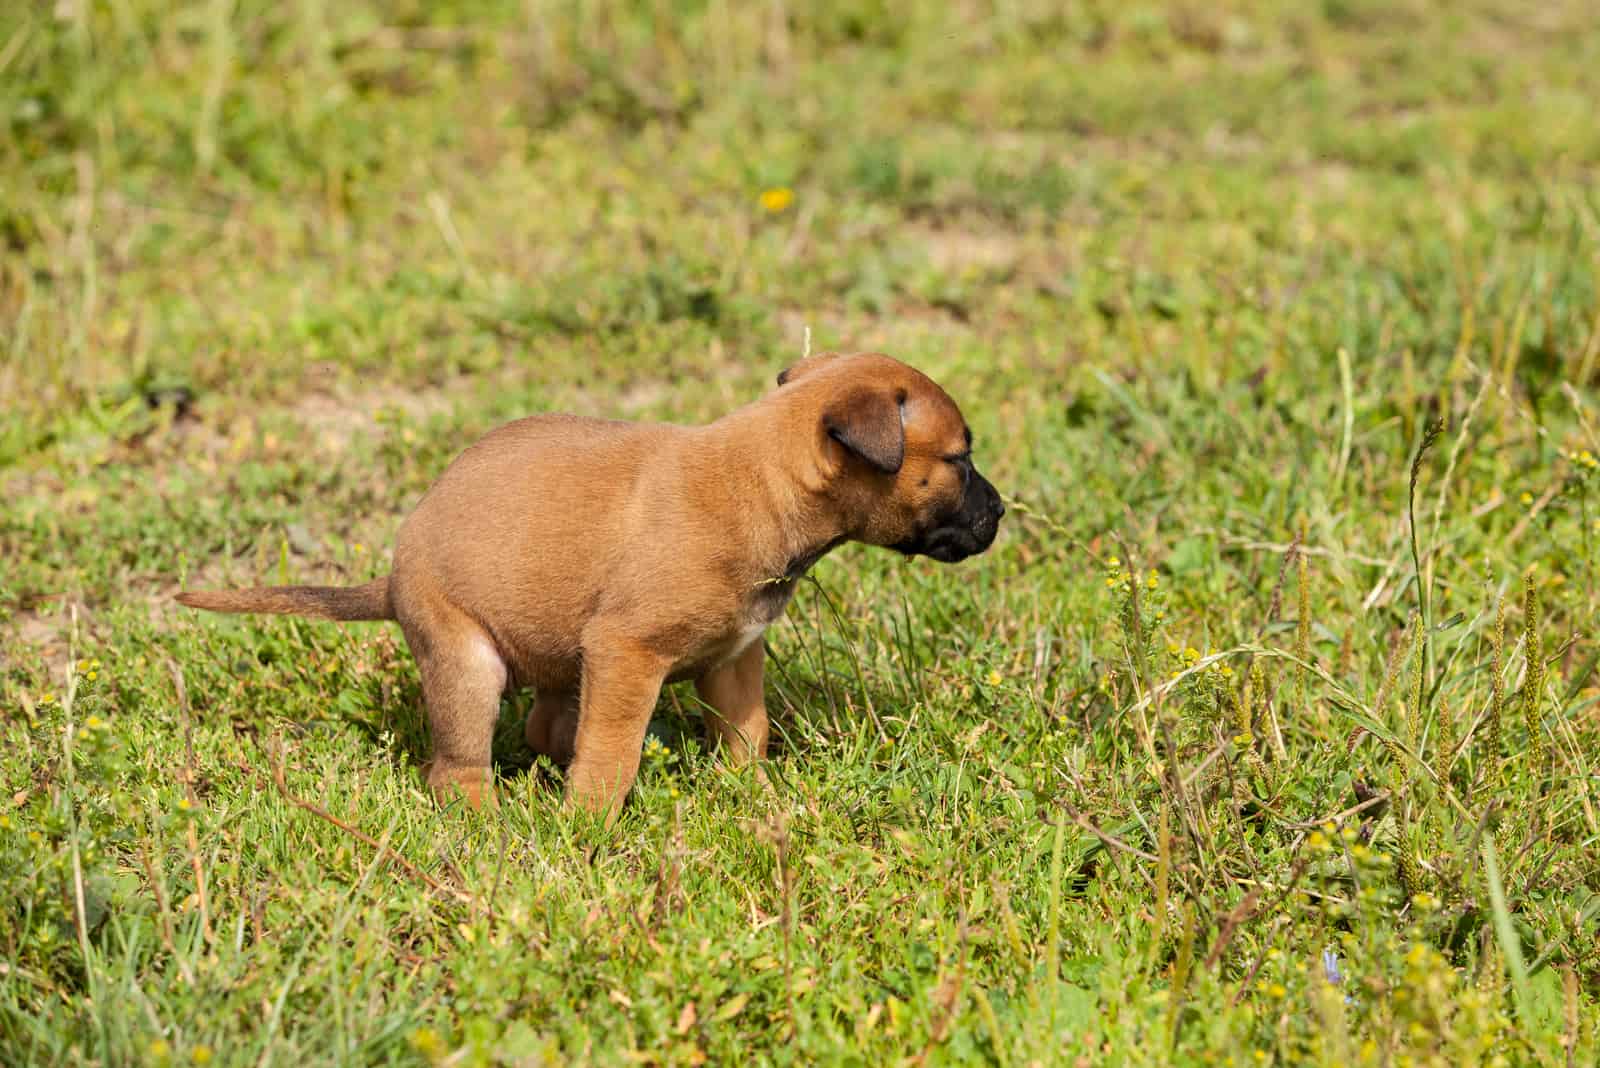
<point x="869" y="423"/>
<point x="804" y="367"/>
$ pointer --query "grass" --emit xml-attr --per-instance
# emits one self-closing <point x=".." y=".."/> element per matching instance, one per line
<point x="1226" y="753"/>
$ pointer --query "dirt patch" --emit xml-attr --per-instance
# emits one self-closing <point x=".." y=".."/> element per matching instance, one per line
<point x="957" y="250"/>
<point x="335" y="416"/>
<point x="47" y="633"/>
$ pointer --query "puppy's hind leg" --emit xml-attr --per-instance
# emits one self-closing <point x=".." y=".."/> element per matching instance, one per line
<point x="552" y="724"/>
<point x="463" y="677"/>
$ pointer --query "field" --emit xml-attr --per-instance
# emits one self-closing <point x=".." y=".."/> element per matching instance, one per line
<point x="1266" y="734"/>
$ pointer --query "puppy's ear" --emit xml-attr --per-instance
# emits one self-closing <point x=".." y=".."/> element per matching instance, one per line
<point x="804" y="367"/>
<point x="870" y="423"/>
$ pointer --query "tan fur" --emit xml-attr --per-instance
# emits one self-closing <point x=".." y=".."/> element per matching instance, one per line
<point x="368" y="602"/>
<point x="597" y="560"/>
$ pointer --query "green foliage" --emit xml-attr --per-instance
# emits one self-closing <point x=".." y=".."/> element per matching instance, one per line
<point x="1258" y="310"/>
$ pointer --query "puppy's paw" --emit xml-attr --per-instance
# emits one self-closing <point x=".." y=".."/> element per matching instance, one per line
<point x="451" y="785"/>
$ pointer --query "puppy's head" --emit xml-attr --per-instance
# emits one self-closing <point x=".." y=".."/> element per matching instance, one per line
<point x="899" y="455"/>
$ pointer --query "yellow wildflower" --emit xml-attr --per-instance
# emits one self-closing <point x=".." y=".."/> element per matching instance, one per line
<point x="776" y="199"/>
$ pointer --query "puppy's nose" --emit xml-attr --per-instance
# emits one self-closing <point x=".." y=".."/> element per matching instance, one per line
<point x="997" y="504"/>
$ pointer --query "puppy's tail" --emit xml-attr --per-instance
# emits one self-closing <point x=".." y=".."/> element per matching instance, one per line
<point x="369" y="601"/>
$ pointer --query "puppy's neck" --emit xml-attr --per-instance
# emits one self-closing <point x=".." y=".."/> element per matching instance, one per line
<point x="802" y="562"/>
<point x="787" y="511"/>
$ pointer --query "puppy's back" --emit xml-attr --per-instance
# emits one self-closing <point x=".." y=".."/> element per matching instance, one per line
<point x="526" y="523"/>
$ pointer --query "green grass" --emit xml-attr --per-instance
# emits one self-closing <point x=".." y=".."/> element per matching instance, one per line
<point x="1202" y="278"/>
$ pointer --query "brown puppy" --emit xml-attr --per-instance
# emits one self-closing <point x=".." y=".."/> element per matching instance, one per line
<point x="596" y="561"/>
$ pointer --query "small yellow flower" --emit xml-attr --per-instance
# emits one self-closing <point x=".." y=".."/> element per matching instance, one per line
<point x="994" y="678"/>
<point x="1153" y="581"/>
<point x="776" y="199"/>
<point x="47" y="698"/>
<point x="426" y="1041"/>
<point x="83" y="665"/>
<point x="358" y="547"/>
<point x="201" y="1054"/>
<point x="184" y="805"/>
<point x="93" y="675"/>
<point x="93" y="723"/>
<point x="1526" y="498"/>
<point x="1318" y="840"/>
<point x="1113" y="562"/>
<point x="158" y="1049"/>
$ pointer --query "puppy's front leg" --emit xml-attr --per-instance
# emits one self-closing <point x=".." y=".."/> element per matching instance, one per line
<point x="621" y="681"/>
<point x="733" y="689"/>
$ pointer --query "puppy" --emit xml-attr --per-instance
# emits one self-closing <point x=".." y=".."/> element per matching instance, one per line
<point x="596" y="561"/>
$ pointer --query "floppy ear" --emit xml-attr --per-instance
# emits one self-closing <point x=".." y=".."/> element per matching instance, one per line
<point x="804" y="367"/>
<point x="870" y="423"/>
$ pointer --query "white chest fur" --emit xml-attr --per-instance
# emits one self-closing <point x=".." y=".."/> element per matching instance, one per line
<point x="746" y="636"/>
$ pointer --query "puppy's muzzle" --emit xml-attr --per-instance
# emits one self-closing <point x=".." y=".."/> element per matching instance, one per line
<point x="966" y="531"/>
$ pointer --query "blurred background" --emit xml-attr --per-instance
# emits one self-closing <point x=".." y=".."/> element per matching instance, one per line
<point x="240" y="199"/>
<point x="1276" y="322"/>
